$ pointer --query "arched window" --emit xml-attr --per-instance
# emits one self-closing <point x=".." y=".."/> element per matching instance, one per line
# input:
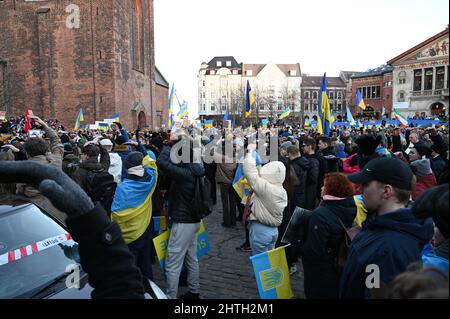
<point x="402" y="77"/>
<point x="137" y="34"/>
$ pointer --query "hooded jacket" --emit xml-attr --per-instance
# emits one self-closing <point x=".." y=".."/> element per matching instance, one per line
<point x="182" y="187"/>
<point x="91" y="164"/>
<point x="319" y="251"/>
<point x="392" y="242"/>
<point x="424" y="175"/>
<point x="269" y="197"/>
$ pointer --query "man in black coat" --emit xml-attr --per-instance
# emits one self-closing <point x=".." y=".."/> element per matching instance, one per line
<point x="316" y="175"/>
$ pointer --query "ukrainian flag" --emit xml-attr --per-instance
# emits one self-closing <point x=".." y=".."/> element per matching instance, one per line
<point x="249" y="101"/>
<point x="325" y="114"/>
<point x="115" y="118"/>
<point x="80" y="118"/>
<point x="359" y="100"/>
<point x="264" y="123"/>
<point x="170" y="107"/>
<point x="184" y="110"/>
<point x="209" y="123"/>
<point x="307" y="122"/>
<point x="285" y="113"/>
<point x="132" y="205"/>
<point x="361" y="211"/>
<point x="240" y="183"/>
<point x="350" y="118"/>
<point x="272" y="274"/>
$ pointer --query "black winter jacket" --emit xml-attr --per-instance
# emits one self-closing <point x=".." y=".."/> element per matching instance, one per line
<point x="182" y="186"/>
<point x="320" y="249"/>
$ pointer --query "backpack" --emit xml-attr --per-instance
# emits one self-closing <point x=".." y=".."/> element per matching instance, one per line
<point x="101" y="187"/>
<point x="202" y="201"/>
<point x="344" y="247"/>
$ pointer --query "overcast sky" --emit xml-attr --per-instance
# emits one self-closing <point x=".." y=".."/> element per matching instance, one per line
<point x="321" y="35"/>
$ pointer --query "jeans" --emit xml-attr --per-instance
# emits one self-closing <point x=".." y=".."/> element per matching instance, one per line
<point x="182" y="248"/>
<point x="228" y="204"/>
<point x="142" y="251"/>
<point x="262" y="237"/>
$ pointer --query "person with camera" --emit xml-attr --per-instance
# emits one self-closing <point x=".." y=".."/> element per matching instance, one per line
<point x="184" y="219"/>
<point x="39" y="151"/>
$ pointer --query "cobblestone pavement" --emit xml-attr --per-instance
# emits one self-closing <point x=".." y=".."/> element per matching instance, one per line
<point x="227" y="273"/>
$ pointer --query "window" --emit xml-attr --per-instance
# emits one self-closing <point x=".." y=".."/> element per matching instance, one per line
<point x="364" y="93"/>
<point x="228" y="63"/>
<point x="307" y="95"/>
<point x="137" y="32"/>
<point x="213" y="107"/>
<point x="293" y="73"/>
<point x="203" y="95"/>
<point x="377" y="92"/>
<point x="203" y="83"/>
<point x="417" y="80"/>
<point x="331" y="95"/>
<point x="402" y="77"/>
<point x="315" y="107"/>
<point x="440" y="73"/>
<point x="204" y="107"/>
<point x="219" y="64"/>
<point x="339" y="106"/>
<point x="339" y="95"/>
<point x="249" y="72"/>
<point x="307" y="106"/>
<point x="401" y="96"/>
<point x="261" y="107"/>
<point x="315" y="95"/>
<point x="429" y="79"/>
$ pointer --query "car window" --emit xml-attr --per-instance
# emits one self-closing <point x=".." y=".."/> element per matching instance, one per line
<point x="26" y="270"/>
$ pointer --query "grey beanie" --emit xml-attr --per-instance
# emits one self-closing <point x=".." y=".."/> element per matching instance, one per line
<point x="133" y="159"/>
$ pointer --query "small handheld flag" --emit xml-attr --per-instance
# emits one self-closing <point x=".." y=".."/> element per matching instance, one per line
<point x="400" y="118"/>
<point x="285" y="113"/>
<point x="80" y="118"/>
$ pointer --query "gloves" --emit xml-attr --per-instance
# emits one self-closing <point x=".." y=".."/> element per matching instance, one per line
<point x="53" y="183"/>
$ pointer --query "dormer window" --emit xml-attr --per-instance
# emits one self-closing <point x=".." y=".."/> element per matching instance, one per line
<point x="228" y="63"/>
<point x="219" y="64"/>
<point x="249" y="72"/>
<point x="293" y="73"/>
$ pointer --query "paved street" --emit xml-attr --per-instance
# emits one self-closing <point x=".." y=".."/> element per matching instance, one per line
<point x="226" y="273"/>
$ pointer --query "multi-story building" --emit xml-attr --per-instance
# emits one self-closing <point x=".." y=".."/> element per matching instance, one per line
<point x="310" y="96"/>
<point x="375" y="86"/>
<point x="58" y="56"/>
<point x="222" y="84"/>
<point x="346" y="77"/>
<point x="421" y="78"/>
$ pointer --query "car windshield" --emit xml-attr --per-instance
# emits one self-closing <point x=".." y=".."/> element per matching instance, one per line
<point x="25" y="267"/>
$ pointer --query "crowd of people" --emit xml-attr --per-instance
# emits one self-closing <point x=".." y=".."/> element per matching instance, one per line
<point x="398" y="224"/>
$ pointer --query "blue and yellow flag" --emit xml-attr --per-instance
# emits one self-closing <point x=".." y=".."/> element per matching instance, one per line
<point x="80" y="118"/>
<point x="359" y="100"/>
<point x="285" y="113"/>
<point x="161" y="243"/>
<point x="159" y="224"/>
<point x="209" y="123"/>
<point x="115" y="118"/>
<point x="170" y="107"/>
<point x="249" y="100"/>
<point x="132" y="205"/>
<point x="272" y="274"/>
<point x="361" y="211"/>
<point x="225" y="117"/>
<point x="184" y="110"/>
<point x="264" y="123"/>
<point x="240" y="183"/>
<point x="350" y="118"/>
<point x="325" y="113"/>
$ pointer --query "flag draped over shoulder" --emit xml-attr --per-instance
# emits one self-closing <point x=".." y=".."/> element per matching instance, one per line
<point x="132" y="205"/>
<point x="80" y="118"/>
<point x="170" y="107"/>
<point x="240" y="183"/>
<point x="325" y="114"/>
<point x="249" y="100"/>
<point x="272" y="274"/>
<point x="359" y="100"/>
<point x="361" y="211"/>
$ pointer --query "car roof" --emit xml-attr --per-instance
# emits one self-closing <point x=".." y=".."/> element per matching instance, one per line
<point x="9" y="203"/>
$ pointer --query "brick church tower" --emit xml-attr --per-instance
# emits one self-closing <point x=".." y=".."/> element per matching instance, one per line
<point x="58" y="56"/>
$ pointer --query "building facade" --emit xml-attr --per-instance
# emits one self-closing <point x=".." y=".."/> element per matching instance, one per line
<point x="222" y="84"/>
<point x="310" y="96"/>
<point x="375" y="86"/>
<point x="421" y="78"/>
<point x="162" y="99"/>
<point x="62" y="55"/>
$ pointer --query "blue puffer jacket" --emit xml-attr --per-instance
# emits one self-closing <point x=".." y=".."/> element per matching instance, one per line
<point x="392" y="242"/>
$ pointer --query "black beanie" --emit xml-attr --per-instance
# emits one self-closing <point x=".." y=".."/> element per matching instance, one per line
<point x="133" y="159"/>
